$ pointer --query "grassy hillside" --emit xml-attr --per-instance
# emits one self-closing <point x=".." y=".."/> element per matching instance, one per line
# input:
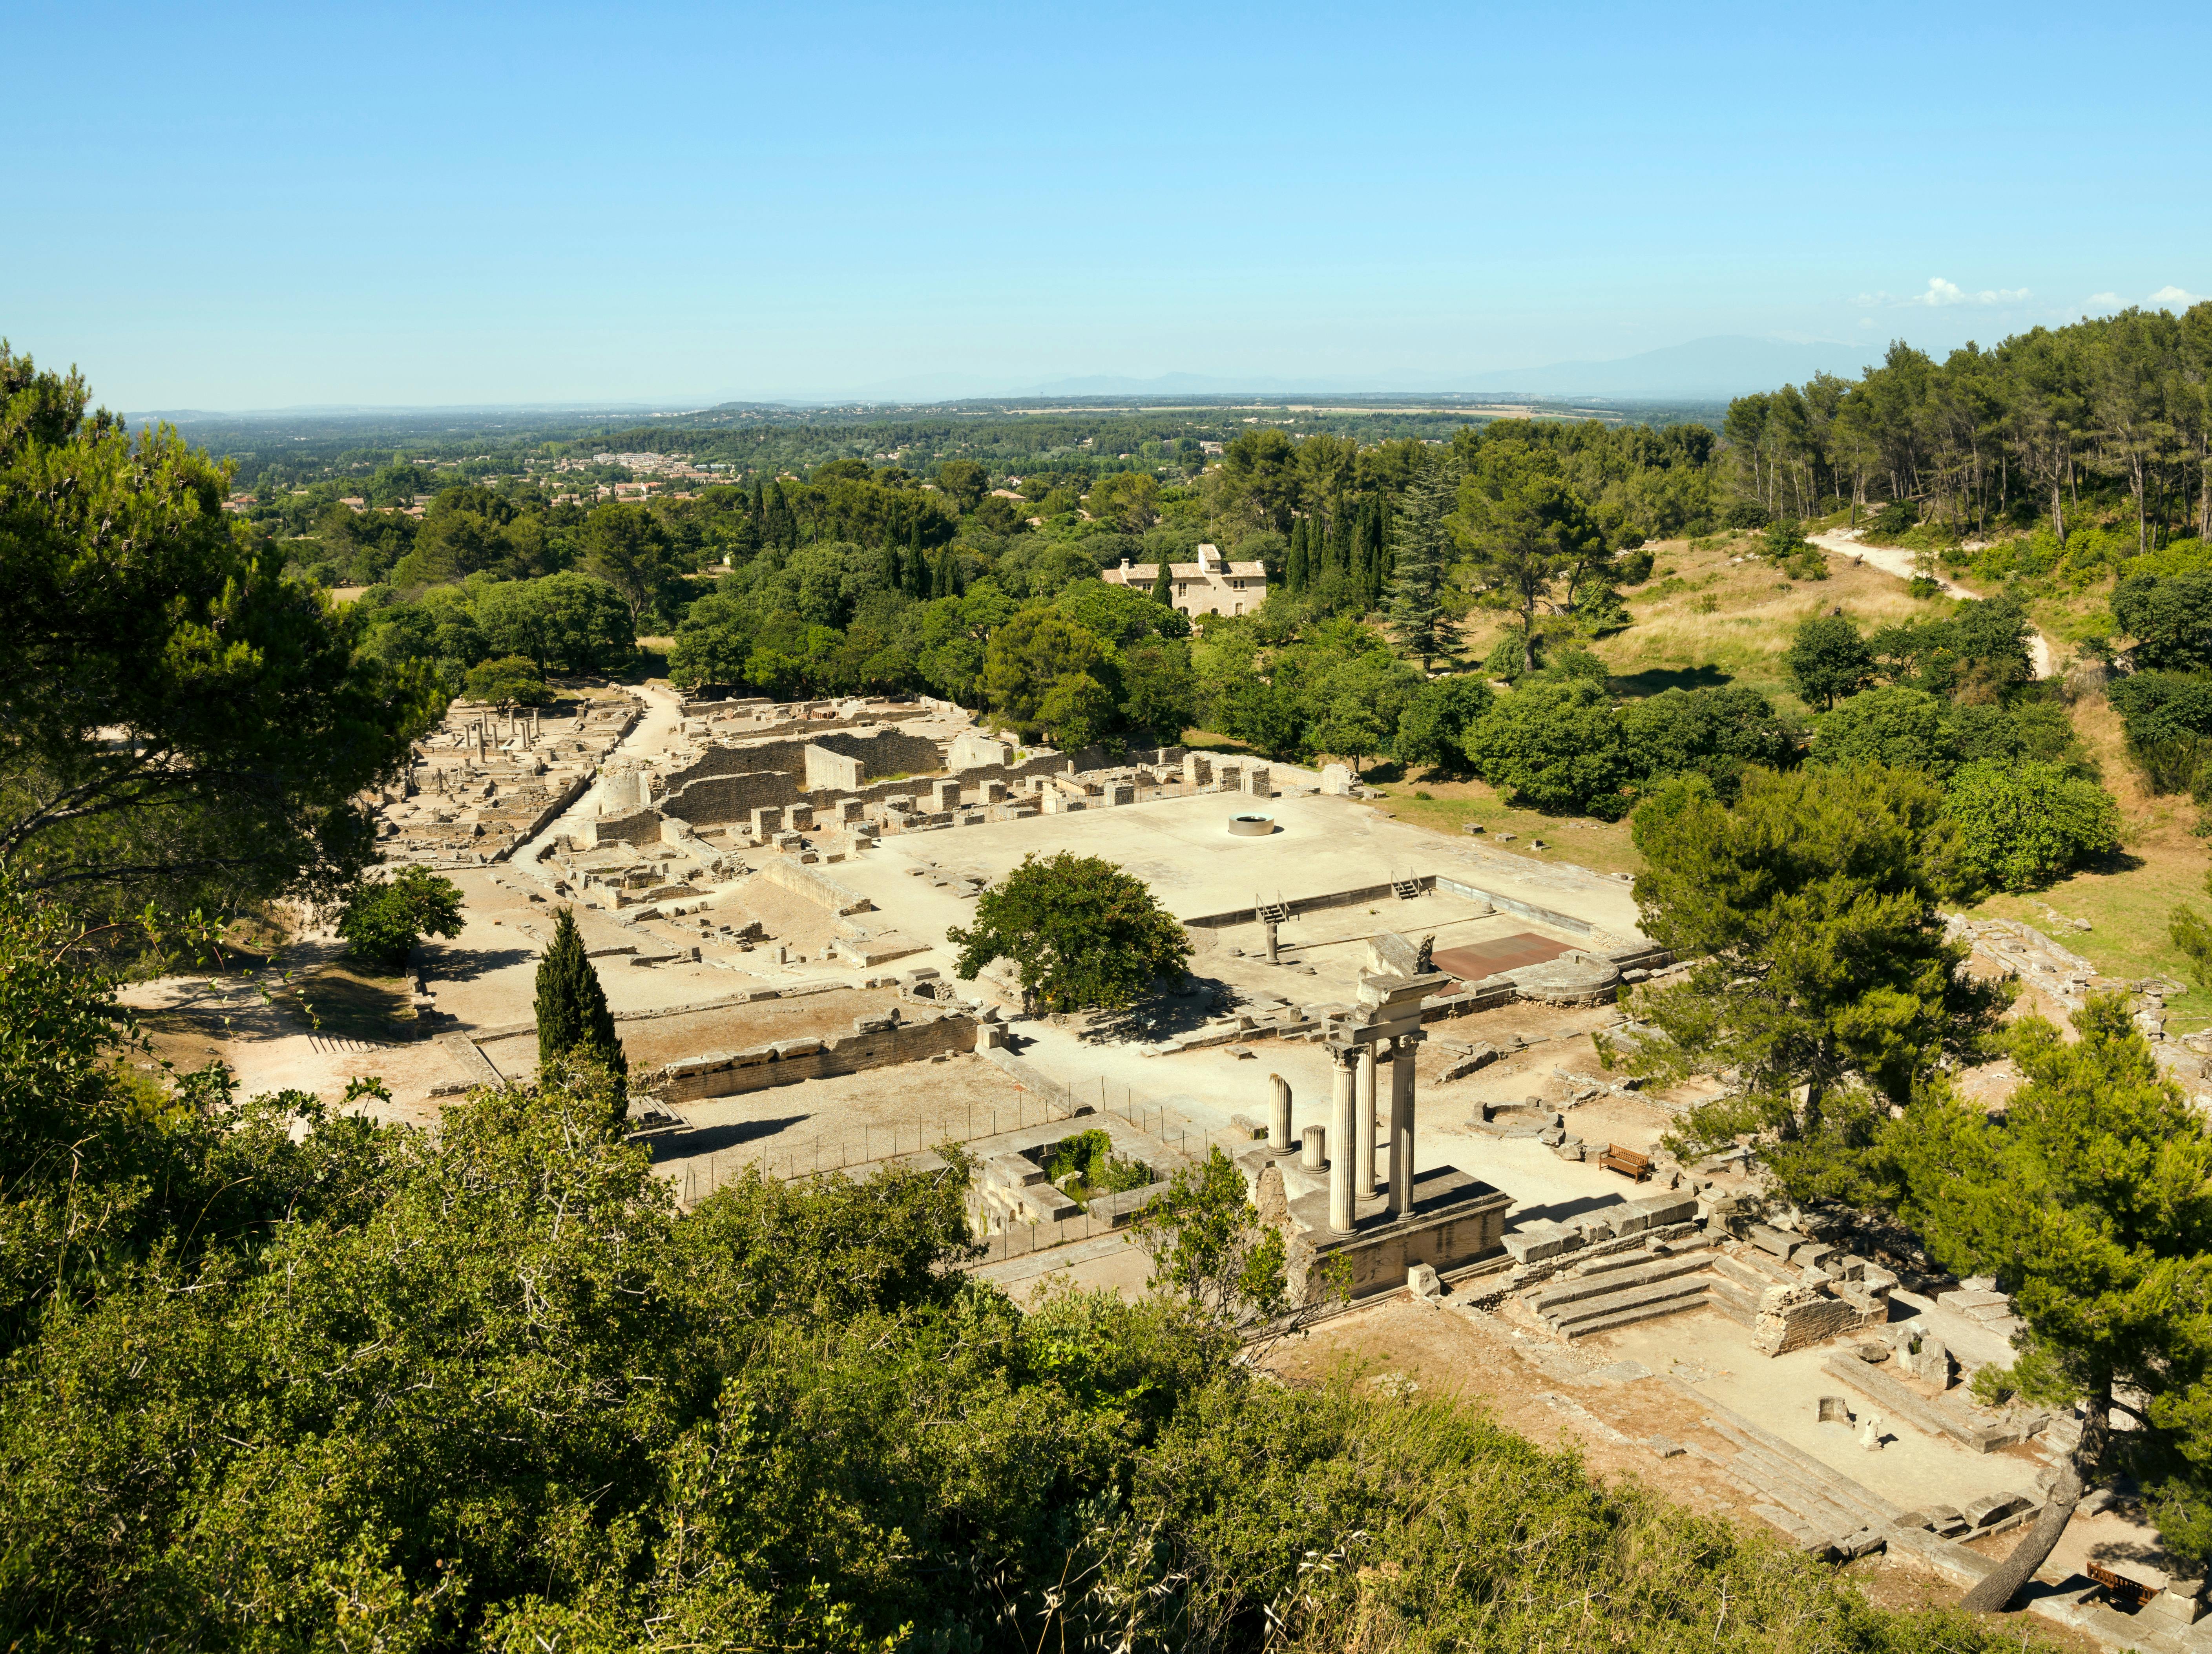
<point x="1713" y="614"/>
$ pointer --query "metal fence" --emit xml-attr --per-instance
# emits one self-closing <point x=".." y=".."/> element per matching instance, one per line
<point x="1043" y="1101"/>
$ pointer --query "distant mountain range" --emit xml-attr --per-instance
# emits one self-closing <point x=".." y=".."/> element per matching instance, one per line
<point x="1704" y="370"/>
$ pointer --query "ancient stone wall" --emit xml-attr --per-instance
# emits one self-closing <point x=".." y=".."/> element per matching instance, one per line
<point x="731" y="1073"/>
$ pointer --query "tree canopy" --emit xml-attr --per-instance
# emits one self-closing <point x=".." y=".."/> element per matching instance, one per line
<point x="1081" y="932"/>
<point x="178" y="719"/>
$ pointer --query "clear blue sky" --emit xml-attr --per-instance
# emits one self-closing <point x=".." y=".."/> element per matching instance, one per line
<point x="229" y="206"/>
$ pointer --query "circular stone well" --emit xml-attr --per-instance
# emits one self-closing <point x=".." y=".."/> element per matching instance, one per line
<point x="1574" y="978"/>
<point x="1249" y="826"/>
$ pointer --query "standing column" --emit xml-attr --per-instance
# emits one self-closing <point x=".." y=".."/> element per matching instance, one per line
<point x="1365" y="1172"/>
<point x="1342" y="1129"/>
<point x="1274" y="956"/>
<point x="1401" y="1124"/>
<point x="1279" y="1117"/>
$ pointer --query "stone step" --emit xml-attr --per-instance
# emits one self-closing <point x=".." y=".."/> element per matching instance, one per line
<point x="1579" y="1310"/>
<point x="1738" y="1272"/>
<point x="1732" y="1301"/>
<point x="1895" y="1399"/>
<point x="1820" y="1509"/>
<point x="1869" y="1508"/>
<point x="1628" y="1317"/>
<point x="1610" y="1282"/>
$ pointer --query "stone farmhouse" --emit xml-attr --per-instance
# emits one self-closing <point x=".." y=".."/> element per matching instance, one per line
<point x="1212" y="585"/>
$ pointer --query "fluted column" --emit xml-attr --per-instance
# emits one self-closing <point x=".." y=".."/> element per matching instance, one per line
<point x="1343" y="1128"/>
<point x="1365" y="1169"/>
<point x="1401" y="1124"/>
<point x="1278" y="1117"/>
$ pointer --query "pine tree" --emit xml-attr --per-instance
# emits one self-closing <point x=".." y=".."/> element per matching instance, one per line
<point x="571" y="1006"/>
<point x="1416" y="608"/>
<point x="1163" y="582"/>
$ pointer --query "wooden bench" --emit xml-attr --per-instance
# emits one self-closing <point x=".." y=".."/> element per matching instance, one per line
<point x="2119" y="1585"/>
<point x="1626" y="1161"/>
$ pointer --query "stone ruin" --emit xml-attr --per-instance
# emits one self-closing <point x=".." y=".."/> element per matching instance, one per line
<point x="486" y="781"/>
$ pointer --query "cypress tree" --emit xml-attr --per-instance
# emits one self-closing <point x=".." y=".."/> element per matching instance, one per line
<point x="780" y="527"/>
<point x="1294" y="565"/>
<point x="956" y="578"/>
<point x="1416" y="604"/>
<point x="571" y="1006"/>
<point x="1163" y="582"/>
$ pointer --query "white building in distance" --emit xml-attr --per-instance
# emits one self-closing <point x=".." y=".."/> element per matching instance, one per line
<point x="1212" y="585"/>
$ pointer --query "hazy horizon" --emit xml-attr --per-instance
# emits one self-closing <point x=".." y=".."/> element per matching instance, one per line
<point x="679" y="205"/>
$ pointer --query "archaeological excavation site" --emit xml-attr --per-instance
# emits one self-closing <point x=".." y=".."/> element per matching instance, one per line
<point x="1405" y="1044"/>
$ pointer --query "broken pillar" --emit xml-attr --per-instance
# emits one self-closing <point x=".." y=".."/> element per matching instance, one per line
<point x="1273" y="956"/>
<point x="1364" y="1158"/>
<point x="767" y="822"/>
<point x="1278" y="1117"/>
<point x="943" y="795"/>
<point x="1402" y="1051"/>
<point x="852" y="809"/>
<point x="1313" y="1148"/>
<point x="995" y="792"/>
<point x="1343" y="1133"/>
<point x="1258" y="780"/>
<point x="1197" y="770"/>
<point x="801" y="819"/>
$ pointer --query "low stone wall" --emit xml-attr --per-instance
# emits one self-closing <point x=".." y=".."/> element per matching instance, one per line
<point x="786" y="1062"/>
<point x="803" y="880"/>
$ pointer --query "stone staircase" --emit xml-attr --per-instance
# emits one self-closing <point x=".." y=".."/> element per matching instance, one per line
<point x="1620" y="1289"/>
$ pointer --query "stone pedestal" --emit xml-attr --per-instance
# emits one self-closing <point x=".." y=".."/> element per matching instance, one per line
<point x="1313" y="1149"/>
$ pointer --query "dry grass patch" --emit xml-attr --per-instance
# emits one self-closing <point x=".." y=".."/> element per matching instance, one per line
<point x="2126" y="902"/>
<point x="1601" y="846"/>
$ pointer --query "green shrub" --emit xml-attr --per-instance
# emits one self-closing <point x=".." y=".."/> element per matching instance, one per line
<point x="1714" y="732"/>
<point x="511" y="678"/>
<point x="2020" y="825"/>
<point x="1827" y="659"/>
<point x="2168" y="716"/>
<point x="385" y="919"/>
<point x="1896" y="728"/>
<point x="1894" y="518"/>
<point x="1554" y="744"/>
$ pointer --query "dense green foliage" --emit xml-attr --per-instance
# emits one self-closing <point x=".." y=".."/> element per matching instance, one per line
<point x="180" y="720"/>
<point x="1988" y="439"/>
<point x="510" y="680"/>
<point x="2086" y="1198"/>
<point x="1080" y="932"/>
<point x="384" y="918"/>
<point x="1819" y="972"/>
<point x="2022" y="824"/>
<point x="571" y="1007"/>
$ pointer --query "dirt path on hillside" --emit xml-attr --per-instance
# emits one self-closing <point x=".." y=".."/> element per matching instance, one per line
<point x="1896" y="560"/>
